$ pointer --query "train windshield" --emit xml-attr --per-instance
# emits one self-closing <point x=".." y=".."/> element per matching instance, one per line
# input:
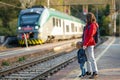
<point x="29" y="19"/>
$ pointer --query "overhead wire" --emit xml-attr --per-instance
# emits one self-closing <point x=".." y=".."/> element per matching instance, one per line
<point x="9" y="5"/>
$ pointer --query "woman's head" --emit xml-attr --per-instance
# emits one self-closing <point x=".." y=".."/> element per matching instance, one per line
<point x="90" y="18"/>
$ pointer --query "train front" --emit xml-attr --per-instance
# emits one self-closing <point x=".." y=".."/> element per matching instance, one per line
<point x="29" y="25"/>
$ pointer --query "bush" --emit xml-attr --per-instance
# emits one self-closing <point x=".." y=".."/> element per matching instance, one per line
<point x="105" y="27"/>
<point x="21" y="59"/>
<point x="5" y="63"/>
<point x="9" y="31"/>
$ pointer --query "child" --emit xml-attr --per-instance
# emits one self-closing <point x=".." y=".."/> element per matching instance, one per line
<point x="81" y="58"/>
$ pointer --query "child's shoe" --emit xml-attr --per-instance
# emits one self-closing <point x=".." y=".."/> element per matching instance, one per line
<point x="81" y="76"/>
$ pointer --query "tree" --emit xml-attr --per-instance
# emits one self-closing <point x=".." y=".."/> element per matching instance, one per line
<point x="103" y="17"/>
<point x="107" y="10"/>
<point x="57" y="4"/>
<point x="117" y="5"/>
<point x="118" y="25"/>
<point x="27" y="3"/>
<point x="8" y="12"/>
<point x="118" y="20"/>
<point x="105" y="23"/>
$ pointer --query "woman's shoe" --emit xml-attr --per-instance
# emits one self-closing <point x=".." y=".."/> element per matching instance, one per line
<point x="94" y="75"/>
<point x="88" y="73"/>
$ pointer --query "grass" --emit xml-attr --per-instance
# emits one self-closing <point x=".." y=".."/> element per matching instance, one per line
<point x="21" y="59"/>
<point x="5" y="63"/>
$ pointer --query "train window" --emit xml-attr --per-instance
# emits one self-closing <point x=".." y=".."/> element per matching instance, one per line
<point x="76" y="29"/>
<point x="53" y="21"/>
<point x="72" y="27"/>
<point x="80" y="29"/>
<point x="63" y="27"/>
<point x="59" y="22"/>
<point x="67" y="28"/>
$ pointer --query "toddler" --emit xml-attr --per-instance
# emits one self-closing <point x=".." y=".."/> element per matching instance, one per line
<point x="81" y="58"/>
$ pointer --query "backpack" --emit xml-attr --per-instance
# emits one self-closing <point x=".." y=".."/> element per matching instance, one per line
<point x="97" y="35"/>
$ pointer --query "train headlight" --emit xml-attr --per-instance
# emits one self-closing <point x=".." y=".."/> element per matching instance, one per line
<point x="19" y="28"/>
<point x="36" y="27"/>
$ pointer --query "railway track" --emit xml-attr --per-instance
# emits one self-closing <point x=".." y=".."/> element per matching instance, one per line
<point x="39" y="69"/>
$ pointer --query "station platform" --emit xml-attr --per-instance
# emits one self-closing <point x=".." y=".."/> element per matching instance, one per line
<point x="72" y="72"/>
<point x="107" y="57"/>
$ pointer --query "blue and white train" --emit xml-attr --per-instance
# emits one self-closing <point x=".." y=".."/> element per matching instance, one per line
<point x="41" y="25"/>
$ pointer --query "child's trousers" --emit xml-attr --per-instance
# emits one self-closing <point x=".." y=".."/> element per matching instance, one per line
<point x="82" y="67"/>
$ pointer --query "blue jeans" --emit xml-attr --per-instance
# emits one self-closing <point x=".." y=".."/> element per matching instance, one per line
<point x="82" y="68"/>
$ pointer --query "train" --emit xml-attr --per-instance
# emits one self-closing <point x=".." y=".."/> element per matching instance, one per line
<point x="38" y="25"/>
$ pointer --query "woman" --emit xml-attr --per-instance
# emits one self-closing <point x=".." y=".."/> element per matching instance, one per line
<point x="89" y="43"/>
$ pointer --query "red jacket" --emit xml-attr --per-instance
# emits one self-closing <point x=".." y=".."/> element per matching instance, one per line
<point x="89" y="33"/>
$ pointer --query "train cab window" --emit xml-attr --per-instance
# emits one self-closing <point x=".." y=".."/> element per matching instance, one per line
<point x="67" y="28"/>
<point x="29" y="18"/>
<point x="53" y="22"/>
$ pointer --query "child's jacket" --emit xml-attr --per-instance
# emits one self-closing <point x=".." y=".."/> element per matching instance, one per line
<point x="81" y="56"/>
